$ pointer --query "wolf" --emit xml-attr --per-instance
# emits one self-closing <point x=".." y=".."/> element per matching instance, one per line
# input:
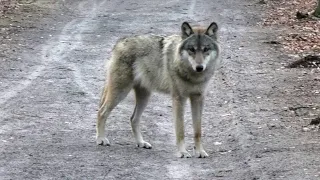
<point x="179" y="65"/>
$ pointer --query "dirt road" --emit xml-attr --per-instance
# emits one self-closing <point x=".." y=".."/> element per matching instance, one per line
<point x="52" y="72"/>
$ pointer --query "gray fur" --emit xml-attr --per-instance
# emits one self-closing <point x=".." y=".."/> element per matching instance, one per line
<point x="164" y="64"/>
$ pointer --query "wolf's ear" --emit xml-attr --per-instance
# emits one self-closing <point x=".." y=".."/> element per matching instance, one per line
<point x="186" y="30"/>
<point x="212" y="30"/>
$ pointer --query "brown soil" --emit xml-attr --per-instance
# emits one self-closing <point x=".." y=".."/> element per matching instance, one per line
<point x="301" y="33"/>
<point x="7" y="6"/>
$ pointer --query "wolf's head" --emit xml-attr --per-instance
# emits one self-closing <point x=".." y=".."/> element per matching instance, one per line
<point x="199" y="45"/>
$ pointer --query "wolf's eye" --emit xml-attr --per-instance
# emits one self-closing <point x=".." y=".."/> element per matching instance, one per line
<point x="205" y="49"/>
<point x="192" y="50"/>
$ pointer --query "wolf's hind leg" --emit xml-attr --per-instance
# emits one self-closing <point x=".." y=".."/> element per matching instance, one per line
<point x="142" y="97"/>
<point x="114" y="92"/>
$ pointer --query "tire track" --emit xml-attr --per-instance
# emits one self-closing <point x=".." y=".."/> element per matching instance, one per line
<point x="191" y="9"/>
<point x="58" y="50"/>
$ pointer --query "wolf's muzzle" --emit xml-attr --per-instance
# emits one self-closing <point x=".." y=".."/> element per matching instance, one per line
<point x="199" y="68"/>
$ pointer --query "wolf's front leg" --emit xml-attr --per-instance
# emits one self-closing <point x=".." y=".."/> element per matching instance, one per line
<point x="196" y="108"/>
<point x="178" y="113"/>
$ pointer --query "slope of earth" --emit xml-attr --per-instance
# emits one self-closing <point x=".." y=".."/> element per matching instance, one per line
<point x="302" y="34"/>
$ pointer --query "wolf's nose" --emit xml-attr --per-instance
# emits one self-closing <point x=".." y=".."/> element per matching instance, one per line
<point x="199" y="68"/>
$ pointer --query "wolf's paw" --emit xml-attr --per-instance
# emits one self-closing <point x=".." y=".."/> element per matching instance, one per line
<point x="184" y="154"/>
<point x="200" y="153"/>
<point x="102" y="141"/>
<point x="144" y="144"/>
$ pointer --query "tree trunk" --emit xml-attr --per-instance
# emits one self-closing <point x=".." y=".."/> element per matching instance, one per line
<point x="317" y="11"/>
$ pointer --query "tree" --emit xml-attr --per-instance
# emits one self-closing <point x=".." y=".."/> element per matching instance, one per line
<point x="317" y="11"/>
